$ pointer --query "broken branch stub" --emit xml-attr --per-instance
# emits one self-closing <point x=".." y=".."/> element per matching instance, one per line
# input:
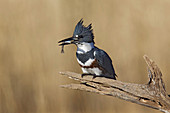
<point x="152" y="94"/>
<point x="155" y="75"/>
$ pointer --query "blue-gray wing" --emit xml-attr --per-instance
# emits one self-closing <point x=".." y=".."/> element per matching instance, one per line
<point x="105" y="62"/>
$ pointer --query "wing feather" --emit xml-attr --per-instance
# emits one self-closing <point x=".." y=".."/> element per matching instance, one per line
<point x="104" y="61"/>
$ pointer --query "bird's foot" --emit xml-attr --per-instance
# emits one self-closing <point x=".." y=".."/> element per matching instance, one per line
<point x="94" y="76"/>
<point x="85" y="74"/>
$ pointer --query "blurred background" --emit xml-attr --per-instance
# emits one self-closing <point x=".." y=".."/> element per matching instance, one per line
<point x="30" y="58"/>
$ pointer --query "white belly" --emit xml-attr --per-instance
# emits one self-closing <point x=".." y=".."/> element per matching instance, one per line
<point x="95" y="71"/>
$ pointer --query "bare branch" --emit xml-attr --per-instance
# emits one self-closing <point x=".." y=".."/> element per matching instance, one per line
<point x="152" y="94"/>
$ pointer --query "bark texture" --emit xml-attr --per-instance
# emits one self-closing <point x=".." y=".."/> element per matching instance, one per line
<point x="152" y="94"/>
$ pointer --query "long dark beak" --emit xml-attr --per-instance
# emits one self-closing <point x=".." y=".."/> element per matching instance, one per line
<point x="66" y="41"/>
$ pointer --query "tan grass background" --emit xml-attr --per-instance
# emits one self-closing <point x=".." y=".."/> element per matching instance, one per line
<point x="30" y="58"/>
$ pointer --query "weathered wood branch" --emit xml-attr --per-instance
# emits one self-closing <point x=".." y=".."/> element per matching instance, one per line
<point x="152" y="94"/>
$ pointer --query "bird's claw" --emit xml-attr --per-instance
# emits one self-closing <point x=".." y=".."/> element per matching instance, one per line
<point x="85" y="74"/>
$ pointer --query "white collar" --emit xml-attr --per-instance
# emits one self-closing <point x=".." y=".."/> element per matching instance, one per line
<point x="84" y="47"/>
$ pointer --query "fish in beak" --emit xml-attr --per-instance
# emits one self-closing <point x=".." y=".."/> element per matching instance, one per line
<point x="66" y="41"/>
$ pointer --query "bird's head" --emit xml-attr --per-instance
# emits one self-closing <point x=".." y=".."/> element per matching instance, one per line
<point x="81" y="34"/>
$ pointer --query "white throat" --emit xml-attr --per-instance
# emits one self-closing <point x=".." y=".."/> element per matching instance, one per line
<point x="84" y="47"/>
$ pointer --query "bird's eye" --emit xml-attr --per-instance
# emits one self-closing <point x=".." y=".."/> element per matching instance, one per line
<point x="78" y="36"/>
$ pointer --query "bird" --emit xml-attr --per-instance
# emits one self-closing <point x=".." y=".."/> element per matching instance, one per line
<point x="92" y="60"/>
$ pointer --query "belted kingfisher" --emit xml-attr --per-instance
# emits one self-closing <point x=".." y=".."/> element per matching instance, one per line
<point x="93" y="61"/>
